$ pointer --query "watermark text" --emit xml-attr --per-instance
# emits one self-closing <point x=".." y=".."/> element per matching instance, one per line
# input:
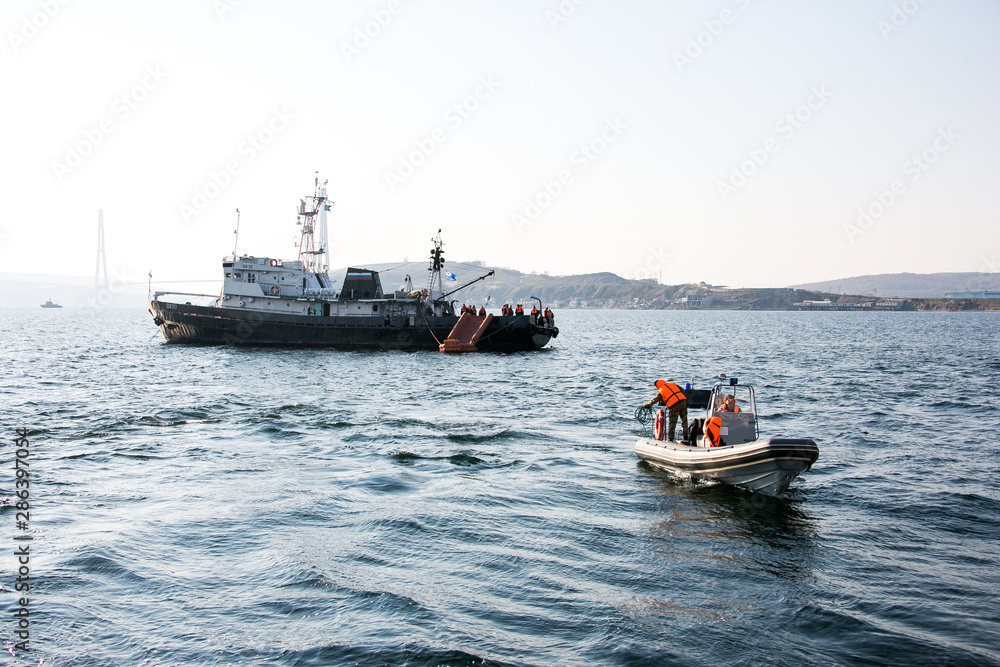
<point x="550" y="190"/>
<point x="913" y="168"/>
<point x="423" y="148"/>
<point x="787" y="126"/>
<point x="219" y="179"/>
<point x="121" y="108"/>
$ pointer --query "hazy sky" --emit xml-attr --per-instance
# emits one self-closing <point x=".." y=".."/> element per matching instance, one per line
<point x="739" y="142"/>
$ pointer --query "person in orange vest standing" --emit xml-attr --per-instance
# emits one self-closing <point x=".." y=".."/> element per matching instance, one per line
<point x="534" y="314"/>
<point x="670" y="395"/>
<point x="519" y="310"/>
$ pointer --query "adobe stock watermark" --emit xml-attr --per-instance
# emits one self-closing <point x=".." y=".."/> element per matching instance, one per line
<point x="900" y="16"/>
<point x="714" y="28"/>
<point x="104" y="296"/>
<point x="121" y="108"/>
<point x="656" y="260"/>
<point x="218" y="180"/>
<point x="33" y="24"/>
<point x="224" y="7"/>
<point x="550" y="190"/>
<point x="562" y="12"/>
<point x="456" y="116"/>
<point x="365" y="34"/>
<point x="913" y="168"/>
<point x="787" y="126"/>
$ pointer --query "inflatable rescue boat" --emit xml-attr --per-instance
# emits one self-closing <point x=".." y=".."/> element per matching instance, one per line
<point x="725" y="445"/>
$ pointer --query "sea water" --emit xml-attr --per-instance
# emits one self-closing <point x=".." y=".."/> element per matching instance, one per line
<point x="231" y="506"/>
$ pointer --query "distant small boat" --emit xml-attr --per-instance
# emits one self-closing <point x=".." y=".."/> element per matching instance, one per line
<point x="50" y="304"/>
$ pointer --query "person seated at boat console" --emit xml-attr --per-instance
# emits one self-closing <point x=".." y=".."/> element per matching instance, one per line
<point x="670" y="395"/>
<point x="729" y="404"/>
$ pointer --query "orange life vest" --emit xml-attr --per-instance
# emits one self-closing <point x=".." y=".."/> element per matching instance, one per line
<point x="729" y="405"/>
<point x="713" y="431"/>
<point x="519" y="310"/>
<point x="534" y="310"/>
<point x="671" y="394"/>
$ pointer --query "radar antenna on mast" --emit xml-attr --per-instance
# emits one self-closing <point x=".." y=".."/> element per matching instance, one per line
<point x="436" y="268"/>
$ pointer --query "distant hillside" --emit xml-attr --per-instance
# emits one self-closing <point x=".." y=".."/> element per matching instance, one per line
<point x="909" y="285"/>
<point x="510" y="286"/>
<point x="591" y="290"/>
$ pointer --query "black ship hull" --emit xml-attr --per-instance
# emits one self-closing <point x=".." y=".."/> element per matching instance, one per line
<point x="186" y="323"/>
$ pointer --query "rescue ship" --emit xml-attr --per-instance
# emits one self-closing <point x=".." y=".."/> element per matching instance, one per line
<point x="269" y="301"/>
<point x="726" y="445"/>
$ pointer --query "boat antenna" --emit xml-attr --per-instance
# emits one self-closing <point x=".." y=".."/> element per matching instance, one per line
<point x="236" y="234"/>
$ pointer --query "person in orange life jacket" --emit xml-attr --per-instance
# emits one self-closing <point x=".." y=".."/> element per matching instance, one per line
<point x="534" y="314"/>
<point x="519" y="310"/>
<point x="482" y="311"/>
<point x="670" y="395"/>
<point x="549" y="316"/>
<point x="729" y="404"/>
<point x="713" y="431"/>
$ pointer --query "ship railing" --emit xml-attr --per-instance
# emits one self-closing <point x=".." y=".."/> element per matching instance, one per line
<point x="206" y="299"/>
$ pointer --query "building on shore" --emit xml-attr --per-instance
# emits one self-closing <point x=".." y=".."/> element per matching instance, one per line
<point x="972" y="295"/>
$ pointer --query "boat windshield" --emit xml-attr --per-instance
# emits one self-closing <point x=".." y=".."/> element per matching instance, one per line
<point x="734" y="399"/>
<point x="735" y="405"/>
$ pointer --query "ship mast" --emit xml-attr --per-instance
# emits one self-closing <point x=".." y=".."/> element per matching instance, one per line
<point x="324" y="242"/>
<point x="310" y="253"/>
<point x="436" y="268"/>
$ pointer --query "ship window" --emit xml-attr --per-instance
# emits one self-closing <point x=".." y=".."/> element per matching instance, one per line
<point x="374" y="308"/>
<point x="229" y="275"/>
<point x="237" y="275"/>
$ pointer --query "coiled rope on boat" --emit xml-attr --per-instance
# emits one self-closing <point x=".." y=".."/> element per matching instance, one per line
<point x="642" y="415"/>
